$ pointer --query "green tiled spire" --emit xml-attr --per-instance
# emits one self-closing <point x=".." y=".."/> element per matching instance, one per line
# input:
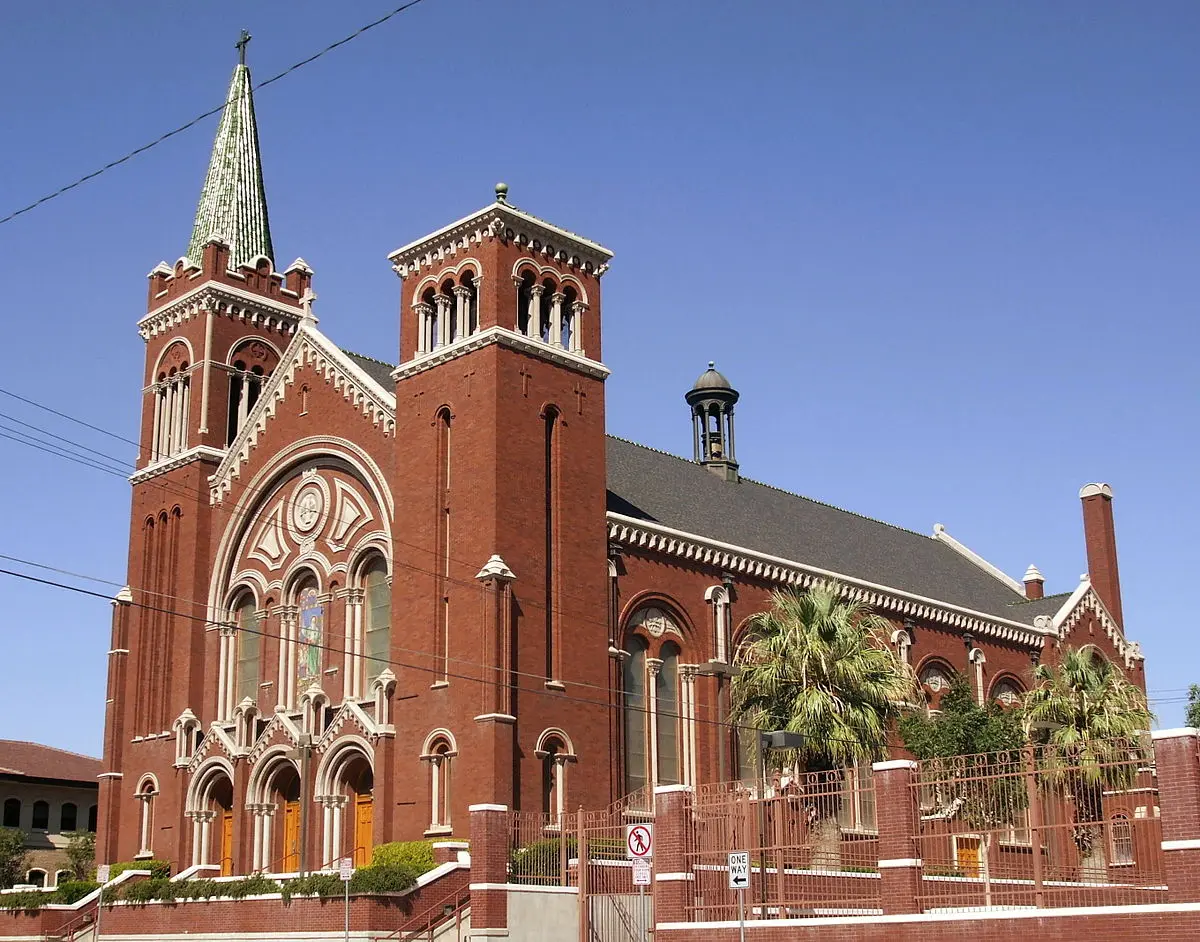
<point x="233" y="203"/>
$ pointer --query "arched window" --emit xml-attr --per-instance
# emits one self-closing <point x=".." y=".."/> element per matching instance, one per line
<point x="251" y="364"/>
<point x="36" y="877"/>
<point x="61" y="877"/>
<point x="568" y="318"/>
<point x="934" y="679"/>
<point x="667" y="715"/>
<point x="310" y="636"/>
<point x="41" y="816"/>
<point x="92" y="819"/>
<point x="146" y="793"/>
<point x="68" y="816"/>
<point x="379" y="614"/>
<point x="545" y="310"/>
<point x="426" y="312"/>
<point x="439" y="753"/>
<point x="1006" y="693"/>
<point x="12" y="812"/>
<point x="1121" y="832"/>
<point x="527" y="305"/>
<point x="249" y="644"/>
<point x="470" y="294"/>
<point x="555" y="751"/>
<point x="634" y="687"/>
<point x="718" y="597"/>
<point x="448" y="315"/>
<point x="172" y="398"/>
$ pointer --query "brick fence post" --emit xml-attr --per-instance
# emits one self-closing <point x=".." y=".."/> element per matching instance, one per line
<point x="673" y="877"/>
<point x="900" y="866"/>
<point x="489" y="870"/>
<point x="1178" y="764"/>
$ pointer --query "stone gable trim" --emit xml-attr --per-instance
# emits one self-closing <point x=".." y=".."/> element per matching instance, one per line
<point x="654" y="537"/>
<point x="308" y="347"/>
<point x="280" y="721"/>
<point x="223" y="300"/>
<point x="506" y="338"/>
<point x="1083" y="600"/>
<point x="357" y="717"/>
<point x="215" y="736"/>
<point x="497" y="220"/>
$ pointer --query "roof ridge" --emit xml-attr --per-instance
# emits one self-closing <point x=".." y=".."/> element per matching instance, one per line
<point x="363" y="356"/>
<point x="772" y="487"/>
<point x="1052" y="595"/>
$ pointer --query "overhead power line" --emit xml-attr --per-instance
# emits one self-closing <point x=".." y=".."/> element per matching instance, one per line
<point x="208" y="114"/>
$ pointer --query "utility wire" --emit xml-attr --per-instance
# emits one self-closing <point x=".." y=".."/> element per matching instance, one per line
<point x="208" y="114"/>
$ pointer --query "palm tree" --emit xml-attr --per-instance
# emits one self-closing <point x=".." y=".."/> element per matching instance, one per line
<point x="818" y="664"/>
<point x="1094" y="717"/>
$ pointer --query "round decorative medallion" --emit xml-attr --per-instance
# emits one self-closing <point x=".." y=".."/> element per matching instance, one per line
<point x="656" y="622"/>
<point x="307" y="507"/>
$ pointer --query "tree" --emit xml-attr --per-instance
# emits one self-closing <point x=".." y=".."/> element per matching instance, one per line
<point x="1093" y="718"/>
<point x="818" y="664"/>
<point x="961" y="727"/>
<point x="81" y="854"/>
<point x="1193" y="705"/>
<point x="12" y="857"/>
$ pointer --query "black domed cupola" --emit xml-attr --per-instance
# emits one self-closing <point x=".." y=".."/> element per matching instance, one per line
<point x="712" y="399"/>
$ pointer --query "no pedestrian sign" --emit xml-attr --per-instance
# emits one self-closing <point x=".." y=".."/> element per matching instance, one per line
<point x="639" y="841"/>
<point x="739" y="869"/>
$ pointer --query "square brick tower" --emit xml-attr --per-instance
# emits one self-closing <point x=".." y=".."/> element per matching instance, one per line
<point x="500" y="470"/>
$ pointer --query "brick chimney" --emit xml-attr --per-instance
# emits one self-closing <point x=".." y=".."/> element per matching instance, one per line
<point x="1035" y="583"/>
<point x="1101" y="539"/>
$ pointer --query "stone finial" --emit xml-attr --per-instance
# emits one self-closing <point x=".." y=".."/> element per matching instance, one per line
<point x="495" y="568"/>
<point x="501" y="192"/>
<point x="1033" y="574"/>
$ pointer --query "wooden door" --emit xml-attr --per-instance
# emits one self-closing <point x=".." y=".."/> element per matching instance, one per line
<point x="226" y="844"/>
<point x="291" y="837"/>
<point x="966" y="852"/>
<point x="364" y="828"/>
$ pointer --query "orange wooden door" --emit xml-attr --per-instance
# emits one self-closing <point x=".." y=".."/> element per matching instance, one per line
<point x="227" y="844"/>
<point x="291" y="837"/>
<point x="967" y="853"/>
<point x="364" y="821"/>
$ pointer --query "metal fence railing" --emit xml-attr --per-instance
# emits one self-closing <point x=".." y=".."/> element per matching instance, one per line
<point x="1045" y="826"/>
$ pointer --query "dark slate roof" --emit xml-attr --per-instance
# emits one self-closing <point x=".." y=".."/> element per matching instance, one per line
<point x="378" y="370"/>
<point x="1048" y="605"/>
<point x="681" y="494"/>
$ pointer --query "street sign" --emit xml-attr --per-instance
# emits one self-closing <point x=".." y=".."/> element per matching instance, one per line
<point x="739" y="869"/>
<point x="346" y="869"/>
<point x="639" y="840"/>
<point x="641" y="871"/>
<point x="102" y="873"/>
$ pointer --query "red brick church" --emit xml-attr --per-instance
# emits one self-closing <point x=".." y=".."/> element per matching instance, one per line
<point x="366" y="595"/>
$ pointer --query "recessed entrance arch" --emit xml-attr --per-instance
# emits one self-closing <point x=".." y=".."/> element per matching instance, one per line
<point x="210" y="806"/>
<point x="346" y="789"/>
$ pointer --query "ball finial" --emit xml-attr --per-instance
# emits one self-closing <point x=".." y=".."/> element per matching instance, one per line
<point x="712" y="364"/>
<point x="501" y="192"/>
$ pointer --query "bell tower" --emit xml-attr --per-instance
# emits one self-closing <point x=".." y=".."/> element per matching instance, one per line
<point x="501" y="380"/>
<point x="712" y="399"/>
<point x="217" y="322"/>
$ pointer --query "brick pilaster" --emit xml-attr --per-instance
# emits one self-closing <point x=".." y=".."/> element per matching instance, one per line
<point x="489" y="870"/>
<point x="1178" y="763"/>
<point x="673" y="877"/>
<point x="900" y="866"/>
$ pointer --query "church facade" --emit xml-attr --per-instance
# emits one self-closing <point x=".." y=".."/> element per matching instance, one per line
<point x="365" y="596"/>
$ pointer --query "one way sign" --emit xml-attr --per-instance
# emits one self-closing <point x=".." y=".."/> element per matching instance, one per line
<point x="739" y="870"/>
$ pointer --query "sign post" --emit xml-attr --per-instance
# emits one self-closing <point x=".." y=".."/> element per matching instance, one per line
<point x="346" y="872"/>
<point x="739" y="879"/>
<point x="639" y="847"/>
<point x="103" y="872"/>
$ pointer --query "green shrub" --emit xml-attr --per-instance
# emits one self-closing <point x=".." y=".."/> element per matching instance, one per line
<point x="199" y="889"/>
<point x="256" y="885"/>
<point x="72" y="891"/>
<point x="159" y="869"/>
<point x="417" y="854"/>
<point x="27" y="899"/>
<point x="323" y="885"/>
<point x="144" y="891"/>
<point x="384" y="878"/>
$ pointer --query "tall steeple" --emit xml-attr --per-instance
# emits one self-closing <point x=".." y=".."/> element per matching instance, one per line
<point x="233" y="203"/>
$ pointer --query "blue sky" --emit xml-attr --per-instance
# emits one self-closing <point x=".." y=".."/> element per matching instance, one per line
<point x="946" y="251"/>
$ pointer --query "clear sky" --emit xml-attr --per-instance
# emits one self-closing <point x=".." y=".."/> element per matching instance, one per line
<point x="946" y="252"/>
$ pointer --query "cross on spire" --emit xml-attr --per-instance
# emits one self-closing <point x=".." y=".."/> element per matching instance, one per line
<point x="240" y="45"/>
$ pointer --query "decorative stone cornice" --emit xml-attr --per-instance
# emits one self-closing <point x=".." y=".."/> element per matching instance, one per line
<point x="507" y="338"/>
<point x="224" y="301"/>
<point x="653" y="537"/>
<point x="195" y="453"/>
<point x="308" y="348"/>
<point x="1084" y="600"/>
<point x="505" y="222"/>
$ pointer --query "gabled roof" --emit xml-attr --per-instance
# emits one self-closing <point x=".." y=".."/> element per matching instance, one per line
<point x="677" y="493"/>
<point x="233" y="203"/>
<point x="376" y="369"/>
<point x="33" y="760"/>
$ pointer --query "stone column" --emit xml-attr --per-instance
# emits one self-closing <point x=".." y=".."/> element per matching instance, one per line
<point x="489" y="870"/>
<point x="674" y="881"/>
<point x="534" y="327"/>
<point x="1178" y="764"/>
<point x="653" y="667"/>
<point x="423" y="312"/>
<point x="556" y="312"/>
<point x="443" y="315"/>
<point x="577" y="309"/>
<point x="462" y="297"/>
<point x="900" y="867"/>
